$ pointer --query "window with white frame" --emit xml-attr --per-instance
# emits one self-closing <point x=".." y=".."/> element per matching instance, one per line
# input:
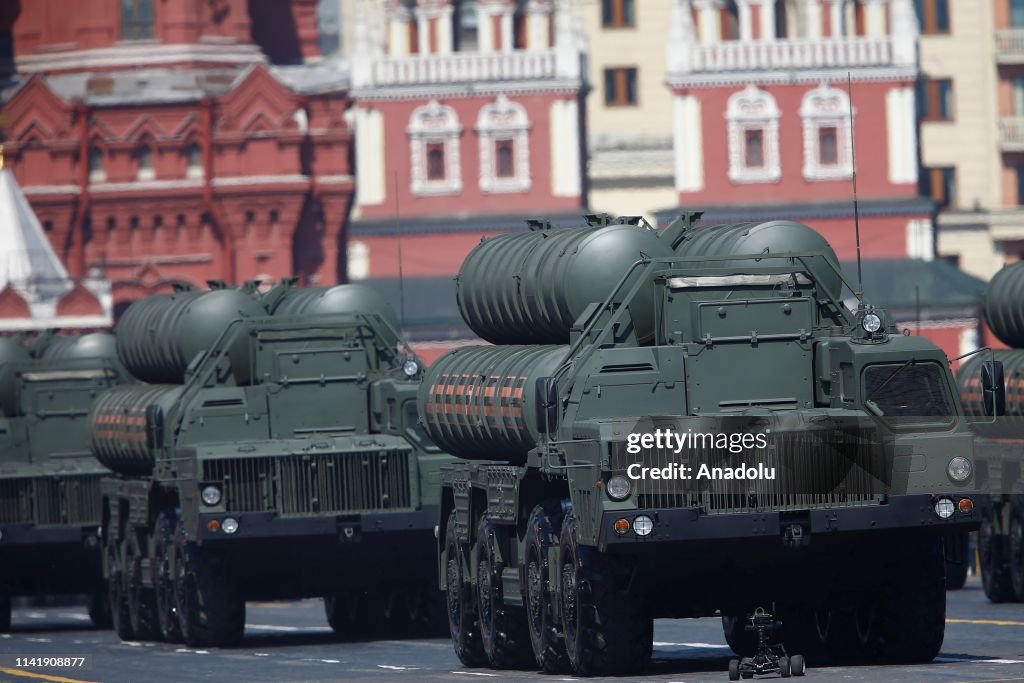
<point x="828" y="144"/>
<point x="753" y="118"/>
<point x="504" y="131"/>
<point x="434" y="132"/>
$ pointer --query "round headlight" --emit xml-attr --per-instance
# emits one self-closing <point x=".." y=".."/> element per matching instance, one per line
<point x="211" y="495"/>
<point x="643" y="525"/>
<point x="618" y="487"/>
<point x="959" y="469"/>
<point x="944" y="508"/>
<point x="871" y="323"/>
<point x="229" y="525"/>
<point x="410" y="368"/>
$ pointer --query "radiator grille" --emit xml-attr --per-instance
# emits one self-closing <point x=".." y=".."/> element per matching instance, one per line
<point x="310" y="484"/>
<point x="813" y="469"/>
<point x="51" y="501"/>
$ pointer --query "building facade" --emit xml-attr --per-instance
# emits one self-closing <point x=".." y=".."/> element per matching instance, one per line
<point x="159" y="143"/>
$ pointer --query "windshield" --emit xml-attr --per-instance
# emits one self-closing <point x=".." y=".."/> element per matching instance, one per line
<point x="909" y="393"/>
<point x="414" y="430"/>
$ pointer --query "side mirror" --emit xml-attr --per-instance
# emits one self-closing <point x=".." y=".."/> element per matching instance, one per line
<point x="545" y="404"/>
<point x="993" y="388"/>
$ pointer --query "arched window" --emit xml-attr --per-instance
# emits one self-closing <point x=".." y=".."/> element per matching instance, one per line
<point x="194" y="157"/>
<point x="504" y="130"/>
<point x="434" y="150"/>
<point x="753" y="119"/>
<point x="97" y="173"/>
<point x="136" y="19"/>
<point x="828" y="144"/>
<point x="144" y="161"/>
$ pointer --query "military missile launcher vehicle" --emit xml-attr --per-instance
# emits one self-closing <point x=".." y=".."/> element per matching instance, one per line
<point x="274" y="454"/>
<point x="999" y="446"/>
<point x="618" y="436"/>
<point x="49" y="481"/>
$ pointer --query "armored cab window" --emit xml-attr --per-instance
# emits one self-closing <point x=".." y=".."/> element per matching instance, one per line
<point x="909" y="394"/>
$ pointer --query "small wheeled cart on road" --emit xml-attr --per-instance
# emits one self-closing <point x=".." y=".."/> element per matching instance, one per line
<point x="770" y="658"/>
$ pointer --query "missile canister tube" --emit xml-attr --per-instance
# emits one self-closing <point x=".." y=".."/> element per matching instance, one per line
<point x="968" y="377"/>
<point x="159" y="336"/>
<point x="94" y="346"/>
<point x="1004" y="305"/>
<point x="338" y="299"/>
<point x="771" y="237"/>
<point x="12" y="353"/>
<point x="476" y="402"/>
<point x="529" y="287"/>
<point x="119" y="426"/>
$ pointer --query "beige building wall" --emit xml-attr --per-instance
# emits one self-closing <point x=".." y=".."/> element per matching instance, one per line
<point x="630" y="147"/>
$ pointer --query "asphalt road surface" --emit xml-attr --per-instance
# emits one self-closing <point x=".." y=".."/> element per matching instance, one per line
<point x="290" y="643"/>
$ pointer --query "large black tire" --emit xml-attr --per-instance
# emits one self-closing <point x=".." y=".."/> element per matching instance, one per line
<point x="119" y="612"/>
<point x="5" y="612"/>
<point x="742" y="641"/>
<point x="342" y="612"/>
<point x="1016" y="555"/>
<point x="503" y="632"/>
<point x="141" y="600"/>
<point x="462" y="616"/>
<point x="542" y="533"/>
<point x="847" y="634"/>
<point x="211" y="609"/>
<point x="957" y="561"/>
<point x="912" y="616"/>
<point x="802" y="630"/>
<point x="99" y="608"/>
<point x="163" y="577"/>
<point x="995" y="569"/>
<point x="607" y="631"/>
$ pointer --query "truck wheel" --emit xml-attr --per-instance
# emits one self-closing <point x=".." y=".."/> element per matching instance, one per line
<point x="341" y="615"/>
<point x="912" y="619"/>
<point x="957" y="561"/>
<point x="740" y="640"/>
<point x="802" y="631"/>
<point x="115" y="592"/>
<point x="536" y="588"/>
<point x="848" y="633"/>
<point x="141" y="600"/>
<point x="462" y="620"/>
<point x="99" y="608"/>
<point x="427" y="611"/>
<point x="211" y="610"/>
<point x="163" y="578"/>
<point x="607" y="632"/>
<point x="995" y="572"/>
<point x="503" y="630"/>
<point x="1016" y="555"/>
<point x="5" y="612"/>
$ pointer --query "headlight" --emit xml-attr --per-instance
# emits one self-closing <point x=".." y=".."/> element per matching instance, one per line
<point x="230" y="525"/>
<point x="644" y="525"/>
<point x="959" y="469"/>
<point x="944" y="508"/>
<point x="410" y="368"/>
<point x="618" y="487"/>
<point x="211" y="495"/>
<point x="871" y="323"/>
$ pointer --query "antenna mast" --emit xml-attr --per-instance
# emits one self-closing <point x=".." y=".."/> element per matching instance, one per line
<point x="856" y="205"/>
<point x="401" y="275"/>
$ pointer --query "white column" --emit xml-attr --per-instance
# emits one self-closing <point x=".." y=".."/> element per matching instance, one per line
<point x="708" y="21"/>
<point x="904" y="33"/>
<point x="768" y="20"/>
<point x="901" y="132"/>
<point x="565" y="149"/>
<point x="508" y="41"/>
<point x="538" y="33"/>
<point x="682" y="36"/>
<point x="423" y="28"/>
<point x="874" y="18"/>
<point x="837" y="18"/>
<point x="370" y="185"/>
<point x="746" y="27"/>
<point x="812" y="12"/>
<point x="484" y="29"/>
<point x="398" y="34"/>
<point x="444" y="31"/>
<point x="688" y="143"/>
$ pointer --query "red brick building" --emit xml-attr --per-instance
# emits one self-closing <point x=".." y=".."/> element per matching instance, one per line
<point x="158" y="142"/>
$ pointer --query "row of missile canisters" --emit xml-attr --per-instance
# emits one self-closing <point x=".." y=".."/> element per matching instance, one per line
<point x="224" y="445"/>
<point x="999" y="446"/>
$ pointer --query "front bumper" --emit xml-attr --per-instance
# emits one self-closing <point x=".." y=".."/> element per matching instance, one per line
<point x="344" y="528"/>
<point x="896" y="513"/>
<point x="21" y="535"/>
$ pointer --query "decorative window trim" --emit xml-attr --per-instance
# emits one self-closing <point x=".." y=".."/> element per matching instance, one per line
<point x="827" y="107"/>
<point x="504" y="120"/>
<point x="751" y="109"/>
<point x="435" y="123"/>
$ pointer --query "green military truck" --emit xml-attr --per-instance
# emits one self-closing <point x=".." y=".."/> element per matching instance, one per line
<point x="999" y="446"/>
<point x="274" y="454"/>
<point x="599" y="501"/>
<point x="49" y="481"/>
